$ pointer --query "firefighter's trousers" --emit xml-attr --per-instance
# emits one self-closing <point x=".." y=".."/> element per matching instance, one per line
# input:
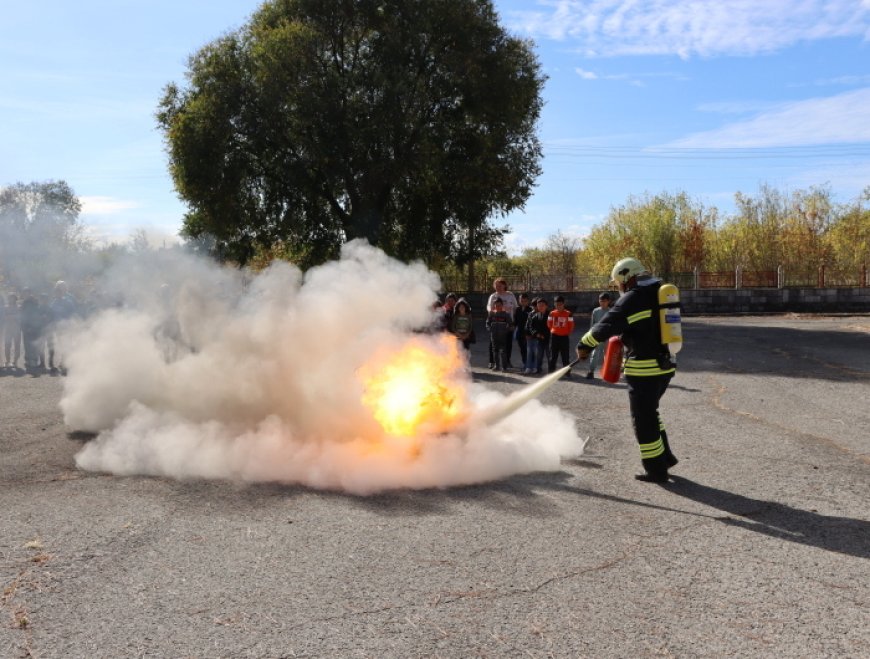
<point x="644" y="394"/>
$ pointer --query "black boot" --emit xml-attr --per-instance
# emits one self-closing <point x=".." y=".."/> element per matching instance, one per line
<point x="655" y="477"/>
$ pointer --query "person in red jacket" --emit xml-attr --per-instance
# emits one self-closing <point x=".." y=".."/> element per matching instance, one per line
<point x="561" y="324"/>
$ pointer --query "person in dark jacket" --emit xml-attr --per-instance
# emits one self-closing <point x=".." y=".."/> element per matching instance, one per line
<point x="537" y="337"/>
<point x="498" y="322"/>
<point x="31" y="329"/>
<point x="648" y="366"/>
<point x="446" y="312"/>
<point x="521" y="315"/>
<point x="462" y="323"/>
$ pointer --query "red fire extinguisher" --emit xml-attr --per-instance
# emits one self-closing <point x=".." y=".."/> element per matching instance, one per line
<point x="612" y="360"/>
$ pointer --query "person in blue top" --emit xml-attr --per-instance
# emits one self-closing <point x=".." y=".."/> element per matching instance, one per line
<point x="598" y="353"/>
<point x="648" y="366"/>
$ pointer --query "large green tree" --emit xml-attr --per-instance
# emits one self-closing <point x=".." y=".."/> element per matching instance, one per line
<point x="411" y="123"/>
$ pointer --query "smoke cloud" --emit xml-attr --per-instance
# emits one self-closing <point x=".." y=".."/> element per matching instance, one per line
<point x="208" y="372"/>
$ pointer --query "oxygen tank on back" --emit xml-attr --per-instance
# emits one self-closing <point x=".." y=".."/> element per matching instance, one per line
<point x="612" y="365"/>
<point x="669" y="317"/>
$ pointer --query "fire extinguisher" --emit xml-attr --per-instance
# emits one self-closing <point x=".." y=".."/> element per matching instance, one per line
<point x="612" y="360"/>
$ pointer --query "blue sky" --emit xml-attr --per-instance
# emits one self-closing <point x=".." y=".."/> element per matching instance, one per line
<point x="700" y="96"/>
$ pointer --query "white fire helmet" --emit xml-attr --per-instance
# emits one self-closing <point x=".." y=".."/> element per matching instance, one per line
<point x="625" y="269"/>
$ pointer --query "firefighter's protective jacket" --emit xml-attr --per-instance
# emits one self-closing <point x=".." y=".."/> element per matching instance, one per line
<point x="635" y="318"/>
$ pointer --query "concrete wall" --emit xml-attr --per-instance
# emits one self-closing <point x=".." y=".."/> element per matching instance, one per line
<point x="722" y="301"/>
<point x="766" y="300"/>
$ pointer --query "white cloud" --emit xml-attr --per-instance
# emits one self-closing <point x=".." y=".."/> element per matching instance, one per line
<point x="840" y="119"/>
<point x="736" y="107"/>
<point x="98" y="205"/>
<point x="591" y="75"/>
<point x="691" y="27"/>
<point x="844" y="80"/>
<point x="631" y="78"/>
<point x="848" y="180"/>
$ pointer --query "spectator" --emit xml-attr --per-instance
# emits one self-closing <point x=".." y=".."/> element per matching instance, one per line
<point x="510" y="304"/>
<point x="561" y="324"/>
<point x="62" y="307"/>
<point x="537" y="337"/>
<point x="12" y="332"/>
<point x="462" y="323"/>
<point x="521" y="315"/>
<point x="498" y="322"/>
<point x="597" y="356"/>
<point x="447" y="311"/>
<point x="2" y="328"/>
<point x="44" y="317"/>
<point x="31" y="329"/>
<point x="168" y="332"/>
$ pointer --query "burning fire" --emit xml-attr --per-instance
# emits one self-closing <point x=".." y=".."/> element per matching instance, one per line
<point x="419" y="388"/>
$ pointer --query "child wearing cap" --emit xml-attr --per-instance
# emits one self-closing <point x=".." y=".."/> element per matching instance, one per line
<point x="597" y="355"/>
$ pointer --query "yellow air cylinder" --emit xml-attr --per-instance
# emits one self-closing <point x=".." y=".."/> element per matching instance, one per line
<point x="669" y="317"/>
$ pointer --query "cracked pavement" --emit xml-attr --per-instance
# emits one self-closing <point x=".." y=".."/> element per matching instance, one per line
<point x="760" y="546"/>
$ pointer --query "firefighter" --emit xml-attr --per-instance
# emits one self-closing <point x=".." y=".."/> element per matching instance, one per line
<point x="648" y="366"/>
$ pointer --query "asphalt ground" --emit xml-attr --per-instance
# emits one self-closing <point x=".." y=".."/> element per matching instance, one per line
<point x="759" y="547"/>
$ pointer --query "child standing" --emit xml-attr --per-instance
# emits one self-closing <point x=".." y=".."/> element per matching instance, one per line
<point x="561" y="324"/>
<point x="510" y="303"/>
<point x="31" y="329"/>
<point x="4" y="362"/>
<point x="498" y="322"/>
<point x="12" y="332"/>
<point x="597" y="355"/>
<point x="537" y="337"/>
<point x="462" y="324"/>
<point x="521" y="315"/>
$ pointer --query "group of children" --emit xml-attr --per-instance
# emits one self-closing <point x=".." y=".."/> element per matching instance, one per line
<point x="540" y="333"/>
<point x="27" y="326"/>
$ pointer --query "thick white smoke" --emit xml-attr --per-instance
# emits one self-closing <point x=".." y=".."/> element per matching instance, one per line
<point x="205" y="373"/>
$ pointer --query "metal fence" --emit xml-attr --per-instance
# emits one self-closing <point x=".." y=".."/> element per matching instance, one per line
<point x="533" y="282"/>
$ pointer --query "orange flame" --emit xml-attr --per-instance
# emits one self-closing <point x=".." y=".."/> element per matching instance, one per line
<point x="417" y="388"/>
